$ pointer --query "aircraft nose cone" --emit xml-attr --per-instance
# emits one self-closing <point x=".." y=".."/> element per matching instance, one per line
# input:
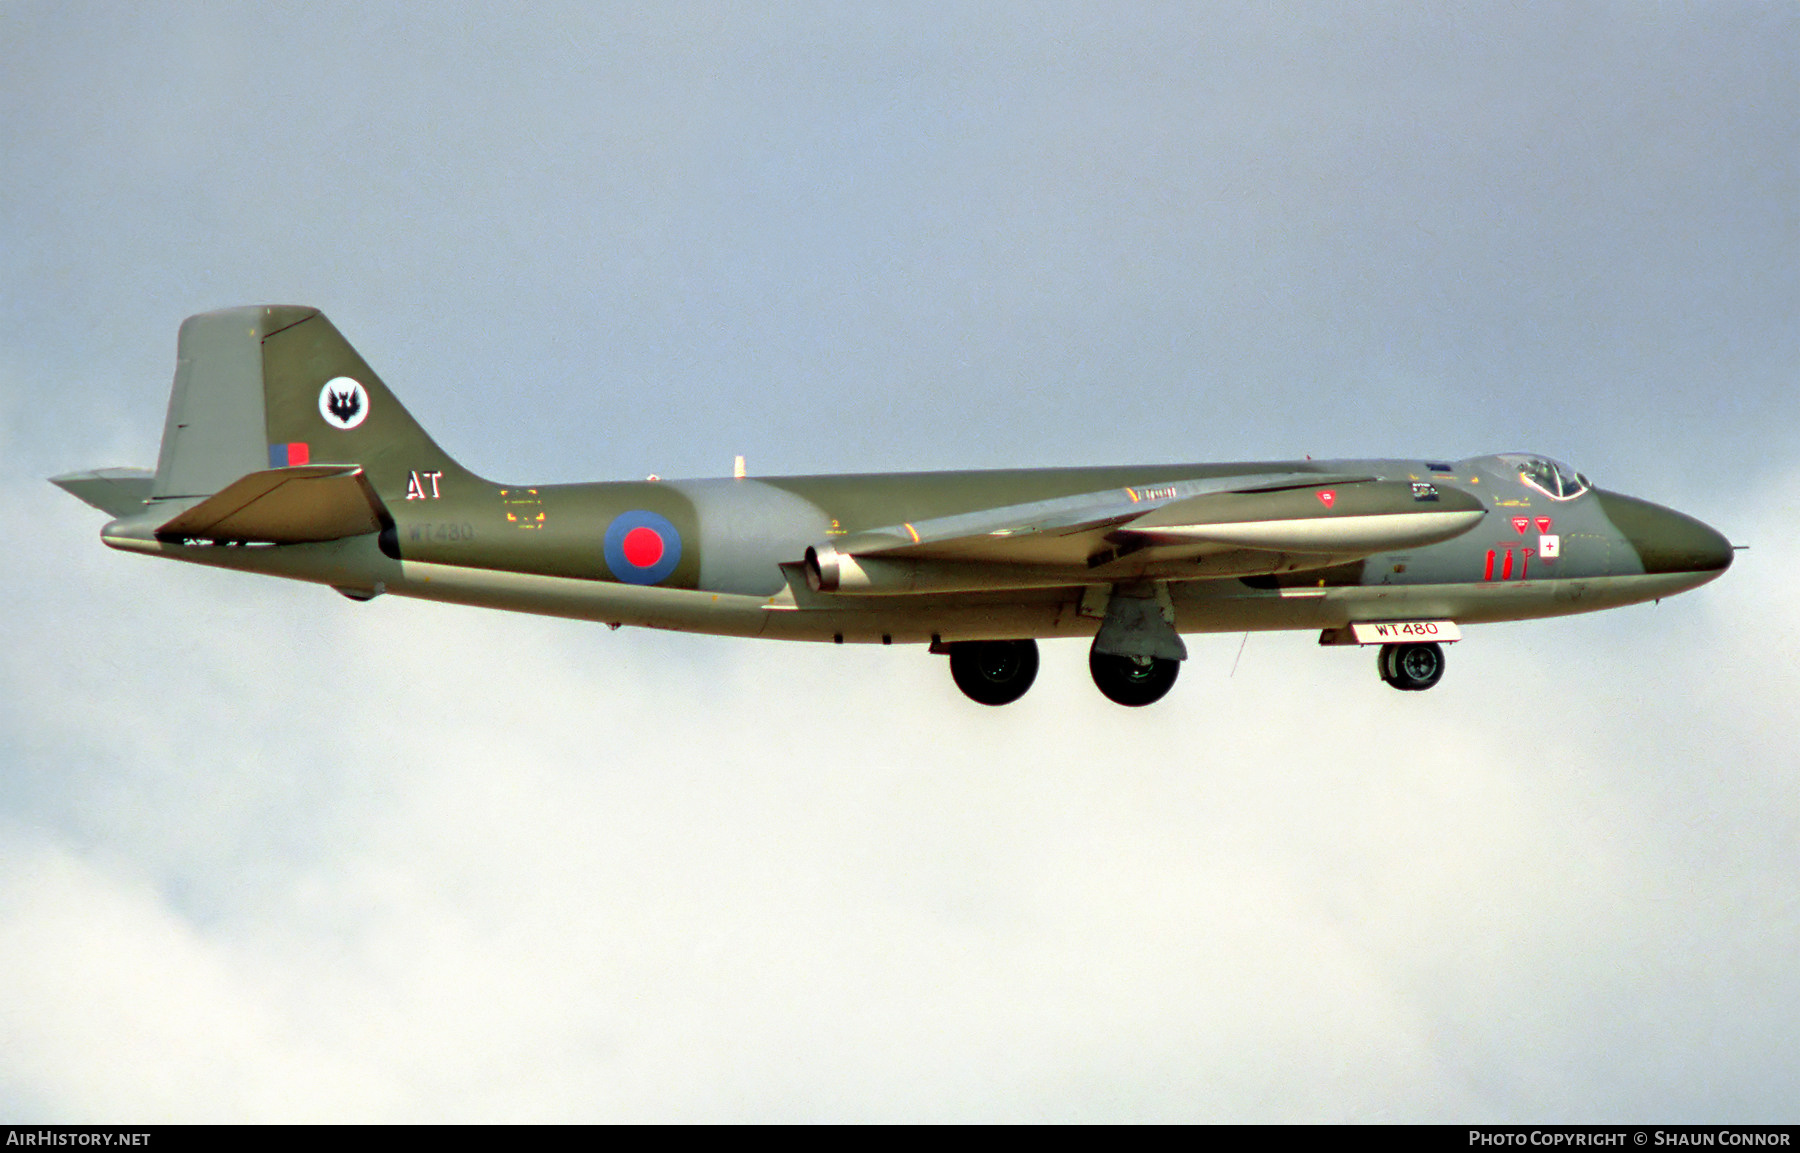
<point x="1667" y="541"/>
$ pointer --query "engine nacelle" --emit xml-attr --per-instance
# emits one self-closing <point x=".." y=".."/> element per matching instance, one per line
<point x="831" y="570"/>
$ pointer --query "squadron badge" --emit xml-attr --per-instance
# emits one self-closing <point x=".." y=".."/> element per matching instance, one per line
<point x="343" y="402"/>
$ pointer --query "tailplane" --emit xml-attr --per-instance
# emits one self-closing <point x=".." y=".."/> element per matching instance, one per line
<point x="115" y="491"/>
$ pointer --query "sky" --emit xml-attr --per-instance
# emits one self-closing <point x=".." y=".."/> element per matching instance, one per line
<point x="268" y="855"/>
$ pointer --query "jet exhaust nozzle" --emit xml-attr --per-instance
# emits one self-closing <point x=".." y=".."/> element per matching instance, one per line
<point x="824" y="568"/>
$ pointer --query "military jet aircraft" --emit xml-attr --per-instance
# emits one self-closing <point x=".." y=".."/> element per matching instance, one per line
<point x="284" y="454"/>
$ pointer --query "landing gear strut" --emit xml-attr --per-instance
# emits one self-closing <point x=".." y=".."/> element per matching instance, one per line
<point x="994" y="672"/>
<point x="1133" y="681"/>
<point x="1411" y="668"/>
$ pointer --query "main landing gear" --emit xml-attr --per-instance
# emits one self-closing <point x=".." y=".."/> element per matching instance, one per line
<point x="999" y="672"/>
<point x="1136" y="655"/>
<point x="994" y="672"/>
<point x="1133" y="681"/>
<point x="1411" y="668"/>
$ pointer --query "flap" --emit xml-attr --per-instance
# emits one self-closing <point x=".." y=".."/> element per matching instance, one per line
<point x="286" y="506"/>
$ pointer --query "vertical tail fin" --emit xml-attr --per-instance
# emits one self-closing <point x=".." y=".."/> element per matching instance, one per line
<point x="274" y="386"/>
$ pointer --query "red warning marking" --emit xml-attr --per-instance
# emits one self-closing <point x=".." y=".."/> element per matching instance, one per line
<point x="1520" y="524"/>
<point x="1327" y="497"/>
<point x="1543" y="524"/>
<point x="1506" y="569"/>
<point x="643" y="547"/>
<point x="1489" y="574"/>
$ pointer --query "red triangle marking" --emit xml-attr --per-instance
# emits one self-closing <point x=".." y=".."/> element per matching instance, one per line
<point x="1327" y="497"/>
<point x="1543" y="523"/>
<point x="1520" y="524"/>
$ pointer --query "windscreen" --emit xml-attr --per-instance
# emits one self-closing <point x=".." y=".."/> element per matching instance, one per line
<point x="1553" y="478"/>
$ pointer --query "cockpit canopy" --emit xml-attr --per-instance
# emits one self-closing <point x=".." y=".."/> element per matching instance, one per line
<point x="1553" y="478"/>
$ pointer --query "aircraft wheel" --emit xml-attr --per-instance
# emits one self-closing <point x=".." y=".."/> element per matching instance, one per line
<point x="1411" y="668"/>
<point x="1133" y="681"/>
<point x="994" y="672"/>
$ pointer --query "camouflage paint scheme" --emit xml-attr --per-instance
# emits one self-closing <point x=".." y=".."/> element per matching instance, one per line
<point x="995" y="555"/>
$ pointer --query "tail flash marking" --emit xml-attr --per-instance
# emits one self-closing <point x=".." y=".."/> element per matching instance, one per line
<point x="289" y="455"/>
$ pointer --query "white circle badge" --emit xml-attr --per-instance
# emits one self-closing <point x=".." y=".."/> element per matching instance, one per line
<point x="343" y="402"/>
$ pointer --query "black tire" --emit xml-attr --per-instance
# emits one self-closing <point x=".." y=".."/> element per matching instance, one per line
<point x="1131" y="682"/>
<point x="994" y="672"/>
<point x="1411" y="668"/>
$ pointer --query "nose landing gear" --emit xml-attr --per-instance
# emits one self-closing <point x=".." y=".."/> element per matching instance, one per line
<point x="1411" y="668"/>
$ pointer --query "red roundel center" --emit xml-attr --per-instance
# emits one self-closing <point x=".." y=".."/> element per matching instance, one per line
<point x="642" y="546"/>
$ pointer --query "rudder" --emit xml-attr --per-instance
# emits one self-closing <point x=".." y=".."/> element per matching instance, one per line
<point x="214" y="432"/>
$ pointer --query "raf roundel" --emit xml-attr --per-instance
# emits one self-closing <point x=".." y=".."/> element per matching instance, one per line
<point x="642" y="548"/>
<point x="343" y="402"/>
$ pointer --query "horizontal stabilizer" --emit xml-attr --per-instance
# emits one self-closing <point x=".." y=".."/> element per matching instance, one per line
<point x="286" y="506"/>
<point x="114" y="491"/>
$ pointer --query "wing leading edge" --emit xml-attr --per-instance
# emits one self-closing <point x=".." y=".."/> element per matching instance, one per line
<point x="1234" y="526"/>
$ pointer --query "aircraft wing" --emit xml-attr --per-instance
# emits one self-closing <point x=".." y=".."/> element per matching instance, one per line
<point x="1265" y="522"/>
<point x="1059" y="530"/>
<point x="285" y="506"/>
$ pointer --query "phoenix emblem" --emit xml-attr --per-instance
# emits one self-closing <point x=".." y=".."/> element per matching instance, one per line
<point x="343" y="405"/>
<point x="343" y="402"/>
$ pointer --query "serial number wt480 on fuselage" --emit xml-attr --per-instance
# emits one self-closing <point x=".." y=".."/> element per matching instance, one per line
<point x="284" y="454"/>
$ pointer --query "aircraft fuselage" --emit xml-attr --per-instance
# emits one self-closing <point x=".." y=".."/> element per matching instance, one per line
<point x="541" y="549"/>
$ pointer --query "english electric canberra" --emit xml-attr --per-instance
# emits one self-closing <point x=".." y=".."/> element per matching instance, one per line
<point x="284" y="454"/>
